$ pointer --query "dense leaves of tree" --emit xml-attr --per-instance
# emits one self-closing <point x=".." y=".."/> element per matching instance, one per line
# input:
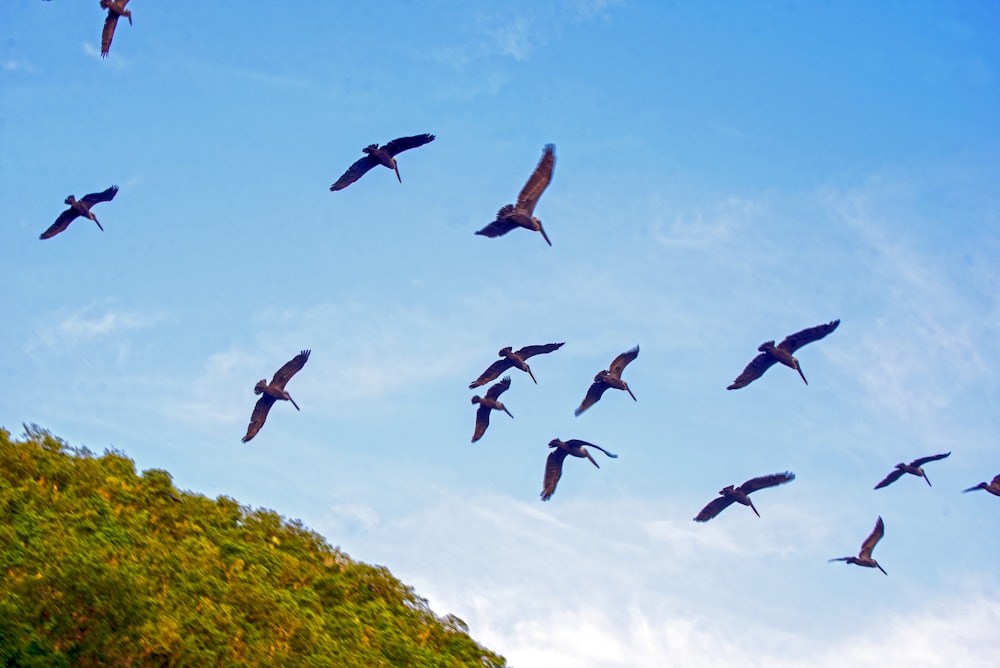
<point x="102" y="566"/>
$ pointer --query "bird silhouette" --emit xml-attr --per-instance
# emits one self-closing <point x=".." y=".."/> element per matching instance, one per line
<point x="554" y="462"/>
<point x="273" y="391"/>
<point x="913" y="468"/>
<point x="771" y="354"/>
<point x="115" y="9"/>
<point x="384" y="155"/>
<point x="731" y="494"/>
<point x="513" y="359"/>
<point x="487" y="405"/>
<point x="612" y="377"/>
<point x="993" y="487"/>
<point x="512" y="216"/>
<point x="77" y="208"/>
<point x="864" y="557"/>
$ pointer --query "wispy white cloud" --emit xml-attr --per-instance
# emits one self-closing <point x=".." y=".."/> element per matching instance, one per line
<point x="17" y="65"/>
<point x="99" y="320"/>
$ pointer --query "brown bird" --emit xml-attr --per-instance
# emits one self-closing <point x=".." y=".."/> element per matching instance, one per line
<point x="993" y="488"/>
<point x="273" y="392"/>
<point x="520" y="215"/>
<point x="384" y="155"/>
<point x="612" y="377"/>
<point x="864" y="557"/>
<point x="731" y="494"/>
<point x="79" y="207"/>
<point x="115" y="9"/>
<point x="487" y="405"/>
<point x="770" y="354"/>
<point x="913" y="468"/>
<point x="554" y="462"/>
<point x="513" y="359"/>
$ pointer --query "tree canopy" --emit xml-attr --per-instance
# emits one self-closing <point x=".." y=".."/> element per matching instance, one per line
<point x="100" y="565"/>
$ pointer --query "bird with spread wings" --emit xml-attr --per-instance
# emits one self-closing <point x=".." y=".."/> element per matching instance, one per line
<point x="521" y="214"/>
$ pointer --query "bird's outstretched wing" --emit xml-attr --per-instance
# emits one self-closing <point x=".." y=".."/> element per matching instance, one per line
<point x="492" y="371"/>
<point x="793" y="342"/>
<point x="530" y="351"/>
<point x="62" y="222"/>
<point x="873" y="538"/>
<point x="763" y="481"/>
<point x="889" y="479"/>
<point x="482" y="422"/>
<point x="291" y="367"/>
<point x="553" y="471"/>
<point x="103" y="196"/>
<point x="930" y="458"/>
<point x="594" y="394"/>
<point x="498" y="388"/>
<point x="501" y="225"/>
<point x="258" y="416"/>
<point x="354" y="172"/>
<point x="758" y="365"/>
<point x="714" y="507"/>
<point x="619" y="363"/>
<point x="406" y="143"/>
<point x="538" y="181"/>
<point x="108" y="33"/>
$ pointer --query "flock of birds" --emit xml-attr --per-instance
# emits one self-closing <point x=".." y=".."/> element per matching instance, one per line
<point x="508" y="218"/>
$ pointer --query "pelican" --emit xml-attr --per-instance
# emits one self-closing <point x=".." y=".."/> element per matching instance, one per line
<point x="384" y="155"/>
<point x="273" y="392"/>
<point x="115" y="9"/>
<point x="512" y="216"/>
<point x="488" y="404"/>
<point x="993" y="488"/>
<point x="864" y="557"/>
<point x="554" y="462"/>
<point x="731" y="494"/>
<point x="612" y="377"/>
<point x="513" y="359"/>
<point x="79" y="207"/>
<point x="913" y="468"/>
<point x="770" y="354"/>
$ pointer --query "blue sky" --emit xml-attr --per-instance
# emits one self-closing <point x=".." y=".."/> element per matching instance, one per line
<point x="725" y="174"/>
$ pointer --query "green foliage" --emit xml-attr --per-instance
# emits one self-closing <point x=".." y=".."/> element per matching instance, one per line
<point x="102" y="566"/>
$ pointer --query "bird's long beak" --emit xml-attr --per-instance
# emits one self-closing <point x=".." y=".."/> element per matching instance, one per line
<point x="799" y="369"/>
<point x="630" y="393"/>
<point x="880" y="568"/>
<point x="98" y="223"/>
<point x="592" y="460"/>
<point x="752" y="507"/>
<point x="396" y="169"/>
<point x="507" y="411"/>
<point x="528" y="368"/>
<point x="544" y="236"/>
<point x="293" y="403"/>
<point x="130" y="19"/>
<point x="927" y="479"/>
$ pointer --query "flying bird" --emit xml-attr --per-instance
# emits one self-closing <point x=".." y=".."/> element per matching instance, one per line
<point x="993" y="488"/>
<point x="864" y="557"/>
<point x="384" y="155"/>
<point x="731" y="494"/>
<point x="513" y="359"/>
<point x="273" y="392"/>
<point x="487" y="405"/>
<point x="520" y="215"/>
<point x="77" y="208"/>
<point x="554" y="462"/>
<point x="913" y="468"/>
<point x="115" y="9"/>
<point x="612" y="377"/>
<point x="770" y="354"/>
